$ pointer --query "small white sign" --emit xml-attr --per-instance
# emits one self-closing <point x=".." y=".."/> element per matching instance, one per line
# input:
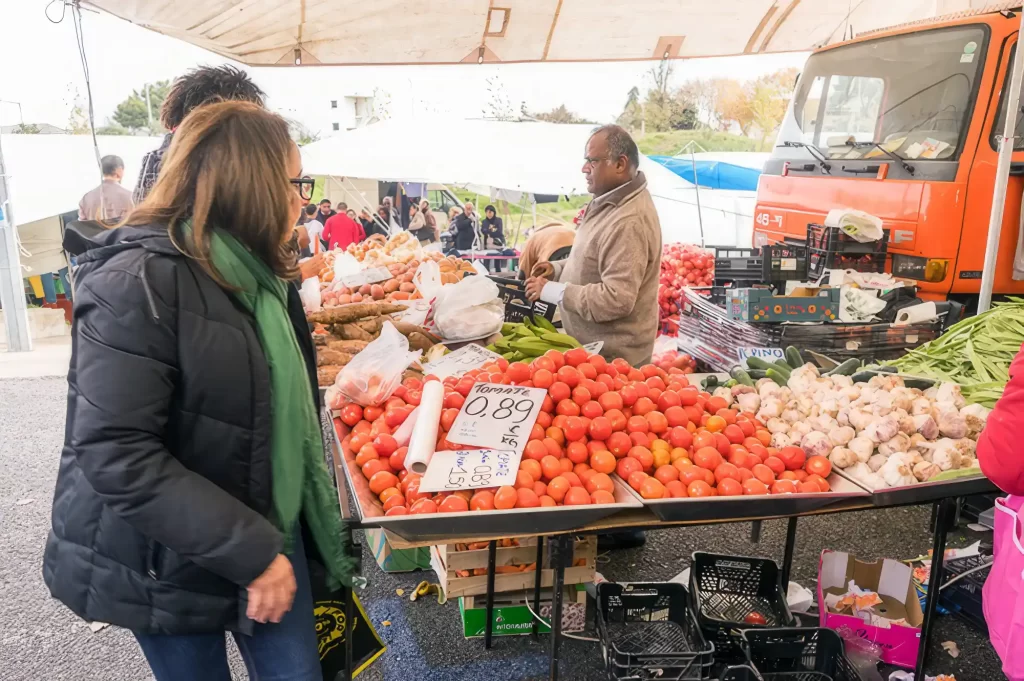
<point x="470" y="469"/>
<point x="370" y="276"/>
<point x="497" y="416"/>
<point x="415" y="312"/>
<point x="466" y="358"/>
<point x="594" y="348"/>
<point x="767" y="354"/>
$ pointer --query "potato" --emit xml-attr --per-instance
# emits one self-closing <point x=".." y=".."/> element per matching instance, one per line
<point x="357" y="297"/>
<point x="407" y="287"/>
<point x="391" y="285"/>
<point x="365" y="289"/>
<point x="377" y="291"/>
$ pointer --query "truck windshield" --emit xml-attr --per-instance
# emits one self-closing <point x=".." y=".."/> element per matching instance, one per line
<point x="910" y="93"/>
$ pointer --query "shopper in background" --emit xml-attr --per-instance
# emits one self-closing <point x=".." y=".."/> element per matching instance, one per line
<point x="314" y="227"/>
<point x="341" y="230"/>
<point x="325" y="212"/>
<point x="109" y="202"/>
<point x="418" y="224"/>
<point x="492" y="237"/>
<point x="466" y="229"/>
<point x="394" y="224"/>
<point x="431" y="232"/>
<point x="550" y="242"/>
<point x="371" y="226"/>
<point x="153" y="527"/>
<point x="197" y="87"/>
<point x="352" y="214"/>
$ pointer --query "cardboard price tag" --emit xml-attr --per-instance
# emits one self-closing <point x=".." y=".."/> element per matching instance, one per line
<point x="460" y="361"/>
<point x="497" y="416"/>
<point x="767" y="354"/>
<point x="370" y="276"/>
<point x="470" y="469"/>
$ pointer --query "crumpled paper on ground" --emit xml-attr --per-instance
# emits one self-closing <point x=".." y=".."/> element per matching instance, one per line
<point x="860" y="603"/>
<point x="901" y="675"/>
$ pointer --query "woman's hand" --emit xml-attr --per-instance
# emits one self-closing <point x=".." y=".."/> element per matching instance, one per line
<point x="311" y="267"/>
<point x="271" y="594"/>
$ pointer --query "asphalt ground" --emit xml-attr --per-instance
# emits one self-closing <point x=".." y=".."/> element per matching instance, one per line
<point x="42" y="640"/>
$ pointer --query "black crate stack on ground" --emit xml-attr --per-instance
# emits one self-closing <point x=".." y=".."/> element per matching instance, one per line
<point x="726" y="590"/>
<point x="648" y="632"/>
<point x="963" y="597"/>
<point x="830" y="248"/>
<point x="738" y="267"/>
<point x="517" y="305"/>
<point x="810" y="654"/>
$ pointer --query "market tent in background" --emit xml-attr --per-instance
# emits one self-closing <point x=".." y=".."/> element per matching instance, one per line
<point x="737" y="170"/>
<point x="290" y="32"/>
<point x="517" y="158"/>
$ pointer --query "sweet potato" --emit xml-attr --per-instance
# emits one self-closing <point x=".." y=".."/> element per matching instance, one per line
<point x="352" y="332"/>
<point x="349" y="346"/>
<point x="418" y="341"/>
<point x="325" y="375"/>
<point x="344" y="314"/>
<point x="328" y="357"/>
<point x="371" y="326"/>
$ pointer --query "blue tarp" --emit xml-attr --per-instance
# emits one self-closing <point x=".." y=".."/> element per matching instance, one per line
<point x="712" y="174"/>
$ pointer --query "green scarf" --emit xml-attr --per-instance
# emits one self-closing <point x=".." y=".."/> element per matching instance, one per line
<point x="301" y="481"/>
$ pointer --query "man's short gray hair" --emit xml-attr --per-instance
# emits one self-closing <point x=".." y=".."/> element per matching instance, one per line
<point x="620" y="143"/>
<point x="110" y="165"/>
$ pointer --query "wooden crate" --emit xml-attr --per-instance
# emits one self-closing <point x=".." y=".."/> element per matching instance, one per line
<point x="447" y="561"/>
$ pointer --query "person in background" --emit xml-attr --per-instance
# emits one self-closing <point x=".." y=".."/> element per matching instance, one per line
<point x="432" y="232"/>
<point x="466" y="229"/>
<point x="341" y="207"/>
<point x="394" y="224"/>
<point x="109" y="202"/>
<point x="341" y="230"/>
<point x="418" y="224"/>
<point x="378" y="224"/>
<point x="153" y="529"/>
<point x="551" y="242"/>
<point x="492" y="234"/>
<point x="325" y="213"/>
<point x="369" y="225"/>
<point x="197" y="87"/>
<point x="352" y="214"/>
<point x="314" y="228"/>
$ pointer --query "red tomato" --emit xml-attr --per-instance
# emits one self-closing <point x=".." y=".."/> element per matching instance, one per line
<point x="600" y="428"/>
<point x="627" y="466"/>
<point x="667" y="400"/>
<point x="619" y="444"/>
<point x="575" y="357"/>
<point x="453" y="504"/>
<point x="707" y="458"/>
<point x="518" y="372"/>
<point x="351" y="414"/>
<point x="628" y="395"/>
<point x="784" y="487"/>
<point x="637" y="424"/>
<point x="574" y="429"/>
<point x="568" y="408"/>
<point x="657" y="422"/>
<point x="616" y="418"/>
<point x="559" y="391"/>
<point x="570" y="376"/>
<point x="728" y="487"/>
<point x="580" y="395"/>
<point x="699" y="488"/>
<point x="542" y="378"/>
<point x="726" y="470"/>
<point x="793" y="458"/>
<point x="776" y="465"/>
<point x="680" y="437"/>
<point x="754" y="486"/>
<point x="818" y="465"/>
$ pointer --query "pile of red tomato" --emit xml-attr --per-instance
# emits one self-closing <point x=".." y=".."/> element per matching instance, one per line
<point x="682" y="265"/>
<point x="649" y="426"/>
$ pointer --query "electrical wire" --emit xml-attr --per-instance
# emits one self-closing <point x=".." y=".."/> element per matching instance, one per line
<point x="63" y="11"/>
<point x="76" y="16"/>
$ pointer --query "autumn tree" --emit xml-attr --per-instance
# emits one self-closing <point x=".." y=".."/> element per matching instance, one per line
<point x="560" y="114"/>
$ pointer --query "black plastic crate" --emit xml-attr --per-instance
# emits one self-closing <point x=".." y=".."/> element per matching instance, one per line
<point x="830" y="248"/>
<point x="740" y="673"/>
<point x="739" y="265"/>
<point x="517" y="305"/>
<point x="725" y="590"/>
<point x="648" y="632"/>
<point x="783" y="262"/>
<point x="811" y="654"/>
<point x="963" y="597"/>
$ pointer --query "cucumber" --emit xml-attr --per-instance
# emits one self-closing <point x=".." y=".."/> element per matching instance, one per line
<point x="777" y="376"/>
<point x="793" y="357"/>
<point x="919" y="383"/>
<point x="779" y="364"/>
<point x="888" y="370"/>
<point x="730" y="383"/>
<point x="709" y="383"/>
<point x="846" y="368"/>
<point x="758" y="363"/>
<point x="863" y="376"/>
<point x="757" y="374"/>
<point x="741" y="376"/>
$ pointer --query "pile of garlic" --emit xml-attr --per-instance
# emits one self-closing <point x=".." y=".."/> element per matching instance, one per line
<point x="880" y="433"/>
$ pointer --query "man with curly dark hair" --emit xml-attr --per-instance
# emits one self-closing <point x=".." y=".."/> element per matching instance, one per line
<point x="199" y="86"/>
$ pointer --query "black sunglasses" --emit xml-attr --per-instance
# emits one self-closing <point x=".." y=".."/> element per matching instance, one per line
<point x="304" y="185"/>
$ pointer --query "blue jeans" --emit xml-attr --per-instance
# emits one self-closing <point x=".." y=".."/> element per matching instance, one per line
<point x="286" y="651"/>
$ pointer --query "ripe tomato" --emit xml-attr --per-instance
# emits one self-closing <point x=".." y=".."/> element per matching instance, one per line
<point x="557" y="488"/>
<point x="667" y="473"/>
<point x="600" y="428"/>
<point x="454" y="504"/>
<point x="598" y="362"/>
<point x="667" y="400"/>
<point x="702" y="439"/>
<point x="763" y="473"/>
<point x="726" y="470"/>
<point x="424" y="506"/>
<point x="580" y="395"/>
<point x="619" y="443"/>
<point x="643" y="405"/>
<point x="535" y="450"/>
<point x="482" y="500"/>
<point x="821" y="482"/>
<point x="599" y="481"/>
<point x="716" y="403"/>
<point x="754" y="486"/>
<point x="568" y="408"/>
<point x="728" y="487"/>
<point x="575" y="357"/>
<point x="628" y="395"/>
<point x="505" y="498"/>
<point x="733" y="433"/>
<point x="554" y="449"/>
<point x="776" y="464"/>
<point x="570" y="376"/>
<point x="637" y="424"/>
<point x="543" y="378"/>
<point x="557" y="358"/>
<point x="559" y="391"/>
<point x="603" y="462"/>
<point x="351" y="414"/>
<point x="691" y="473"/>
<point x="601" y="496"/>
<point x="699" y="488"/>
<point x="576" y="496"/>
<point x="818" y="465"/>
<point x="532" y="467"/>
<point x="784" y="487"/>
<point x="592" y="409"/>
<point x="675" y="489"/>
<point x="707" y="458"/>
<point x="518" y="372"/>
<point x="617" y="419"/>
<point x="627" y="466"/>
<point x="577" y="452"/>
<point x="640" y="439"/>
<point x="656" y="422"/>
<point x="680" y="437"/>
<point x="652" y="488"/>
<point x="610" y="400"/>
<point x="574" y="429"/>
<point x="675" y="415"/>
<point x="644" y="456"/>
<point x="792" y="457"/>
<point x="715" y="424"/>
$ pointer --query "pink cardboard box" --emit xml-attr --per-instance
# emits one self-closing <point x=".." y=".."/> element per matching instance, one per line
<point x="893" y="581"/>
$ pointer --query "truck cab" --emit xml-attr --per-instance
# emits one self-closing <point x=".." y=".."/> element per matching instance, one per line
<point x="903" y="124"/>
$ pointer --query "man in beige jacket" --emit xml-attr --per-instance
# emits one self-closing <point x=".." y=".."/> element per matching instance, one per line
<point x="608" y="287"/>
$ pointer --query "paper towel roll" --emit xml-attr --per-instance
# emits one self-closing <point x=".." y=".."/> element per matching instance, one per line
<point x="916" y="314"/>
<point x="424" y="433"/>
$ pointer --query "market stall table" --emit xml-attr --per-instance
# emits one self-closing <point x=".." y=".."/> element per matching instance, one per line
<point x="848" y="497"/>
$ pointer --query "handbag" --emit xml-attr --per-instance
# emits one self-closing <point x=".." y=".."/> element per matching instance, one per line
<point x="332" y="628"/>
<point x="1003" y="593"/>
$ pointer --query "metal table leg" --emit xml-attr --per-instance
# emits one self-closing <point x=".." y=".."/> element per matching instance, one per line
<point x="787" y="558"/>
<point x="537" y="583"/>
<point x="350" y="615"/>
<point x="945" y="510"/>
<point x="492" y="549"/>
<point x="561" y="552"/>
<point x="755" y="532"/>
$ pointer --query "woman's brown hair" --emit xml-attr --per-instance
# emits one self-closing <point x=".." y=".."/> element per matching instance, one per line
<point x="227" y="169"/>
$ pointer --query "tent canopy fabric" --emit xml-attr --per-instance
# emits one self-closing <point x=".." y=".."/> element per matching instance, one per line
<point x="712" y="174"/>
<point x="348" y="32"/>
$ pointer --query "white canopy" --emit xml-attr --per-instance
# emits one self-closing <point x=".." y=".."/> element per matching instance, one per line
<point x="529" y="157"/>
<point x="288" y="32"/>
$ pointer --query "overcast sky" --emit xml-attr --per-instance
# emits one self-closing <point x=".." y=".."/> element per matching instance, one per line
<point x="42" y="72"/>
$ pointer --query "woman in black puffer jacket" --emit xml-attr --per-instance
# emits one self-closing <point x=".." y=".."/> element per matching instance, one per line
<point x="176" y="513"/>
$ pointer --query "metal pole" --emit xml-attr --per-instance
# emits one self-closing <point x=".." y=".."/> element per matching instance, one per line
<point x="696" y="193"/>
<point x="149" y="111"/>
<point x="943" y="520"/>
<point x="12" y="290"/>
<point x="995" y="221"/>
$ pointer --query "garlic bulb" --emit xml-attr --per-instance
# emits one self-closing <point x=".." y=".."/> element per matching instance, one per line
<point x="749" y="402"/>
<point x="770" y="408"/>
<point x="842" y="457"/>
<point x="896" y="472"/>
<point x="950" y="392"/>
<point x="725" y="394"/>
<point x="876" y="462"/>
<point x="926" y="471"/>
<point x="921" y="405"/>
<point x="882" y="429"/>
<point x="945" y="454"/>
<point x="790" y="415"/>
<point x="898" y="443"/>
<point x="816" y="444"/>
<point x="780" y="440"/>
<point x="862" y="446"/>
<point x="951" y="423"/>
<point x="800" y="428"/>
<point x="861" y="419"/>
<point x="925" y="425"/>
<point x="841" y="435"/>
<point x="777" y="425"/>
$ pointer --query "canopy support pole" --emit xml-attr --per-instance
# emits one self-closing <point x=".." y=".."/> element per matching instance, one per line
<point x="696" y="193"/>
<point x="12" y="290"/>
<point x="995" y="222"/>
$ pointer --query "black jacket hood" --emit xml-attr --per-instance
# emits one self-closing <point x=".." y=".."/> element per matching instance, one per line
<point x="90" y="242"/>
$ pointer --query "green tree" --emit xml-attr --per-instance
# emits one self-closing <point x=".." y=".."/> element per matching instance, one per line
<point x="112" y="130"/>
<point x="132" y="113"/>
<point x="560" y="114"/>
<point x="26" y="129"/>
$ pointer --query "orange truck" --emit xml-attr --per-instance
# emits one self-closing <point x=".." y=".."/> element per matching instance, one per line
<point x="902" y="123"/>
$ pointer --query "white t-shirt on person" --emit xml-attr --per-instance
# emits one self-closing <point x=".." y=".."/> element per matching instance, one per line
<point x="314" y="228"/>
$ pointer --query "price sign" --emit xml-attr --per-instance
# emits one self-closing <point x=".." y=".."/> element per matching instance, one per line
<point x="416" y="312"/>
<point x="460" y="361"/>
<point x="370" y="276"/>
<point x="497" y="416"/>
<point x="767" y="354"/>
<point x="594" y="348"/>
<point x="470" y="469"/>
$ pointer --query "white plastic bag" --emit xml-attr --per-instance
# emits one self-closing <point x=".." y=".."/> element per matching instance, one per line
<point x="469" y="309"/>
<point x="428" y="279"/>
<point x="860" y="226"/>
<point x="376" y="372"/>
<point x="310" y="294"/>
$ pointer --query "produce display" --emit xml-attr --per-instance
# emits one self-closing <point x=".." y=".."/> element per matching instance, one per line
<point x="530" y="338"/>
<point x="876" y="427"/>
<point x="682" y="265"/>
<point x="670" y="359"/>
<point x="974" y="353"/>
<point x="399" y="287"/>
<point x="662" y="436"/>
<point x="343" y="331"/>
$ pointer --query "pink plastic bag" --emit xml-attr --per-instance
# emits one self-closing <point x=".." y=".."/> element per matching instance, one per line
<point x="1003" y="595"/>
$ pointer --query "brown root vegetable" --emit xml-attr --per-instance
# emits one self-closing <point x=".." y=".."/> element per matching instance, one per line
<point x="407" y="287"/>
<point x="325" y="375"/>
<point x="354" y="332"/>
<point x="391" y="308"/>
<point x="328" y="357"/>
<point x="345" y="313"/>
<point x="371" y="326"/>
<point x="417" y="341"/>
<point x="391" y="285"/>
<point x="349" y="346"/>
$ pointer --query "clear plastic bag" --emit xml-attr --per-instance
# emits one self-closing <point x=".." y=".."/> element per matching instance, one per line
<point x="376" y="372"/>
<point x="469" y="309"/>
<point x="310" y="294"/>
<point x="428" y="279"/>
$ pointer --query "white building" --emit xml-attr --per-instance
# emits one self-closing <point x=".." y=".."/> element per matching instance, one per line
<point x="337" y="114"/>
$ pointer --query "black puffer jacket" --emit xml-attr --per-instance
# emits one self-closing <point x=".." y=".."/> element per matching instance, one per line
<point x="160" y="512"/>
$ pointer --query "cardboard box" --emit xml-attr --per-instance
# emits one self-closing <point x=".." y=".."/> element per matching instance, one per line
<point x="804" y="305"/>
<point x="395" y="560"/>
<point x="446" y="562"/>
<point x="512" y="617"/>
<point x="893" y="581"/>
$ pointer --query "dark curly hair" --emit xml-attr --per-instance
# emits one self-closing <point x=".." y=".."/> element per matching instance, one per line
<point x="204" y="85"/>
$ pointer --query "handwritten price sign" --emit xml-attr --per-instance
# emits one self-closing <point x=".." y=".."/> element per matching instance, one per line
<point x="767" y="354"/>
<point x="460" y="361"/>
<point x="470" y="469"/>
<point x="497" y="416"/>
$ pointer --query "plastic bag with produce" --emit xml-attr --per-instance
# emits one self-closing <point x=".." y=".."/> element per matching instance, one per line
<point x="471" y="308"/>
<point x="376" y="372"/>
<point x="310" y="295"/>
